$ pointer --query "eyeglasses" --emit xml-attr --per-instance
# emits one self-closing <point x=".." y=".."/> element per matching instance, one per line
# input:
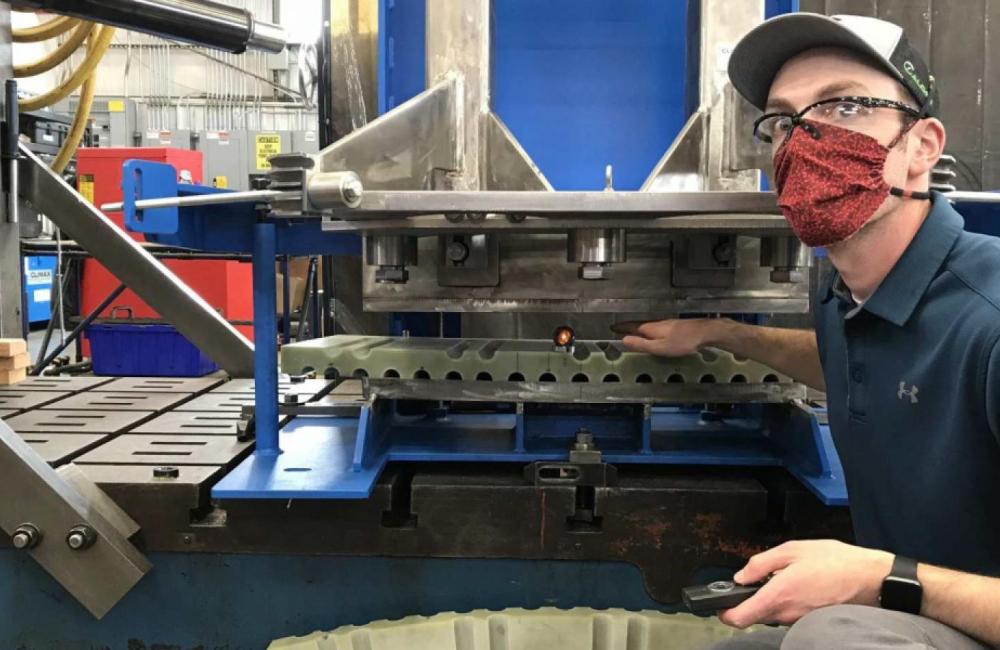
<point x="845" y="112"/>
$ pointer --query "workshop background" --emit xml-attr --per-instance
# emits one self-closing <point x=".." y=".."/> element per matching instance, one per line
<point x="470" y="503"/>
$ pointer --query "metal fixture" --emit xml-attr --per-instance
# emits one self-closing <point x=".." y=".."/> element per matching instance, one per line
<point x="166" y="472"/>
<point x="81" y="537"/>
<point x="391" y="254"/>
<point x="199" y="22"/>
<point x="26" y="536"/>
<point x="584" y="448"/>
<point x="596" y="249"/>
<point x="788" y="258"/>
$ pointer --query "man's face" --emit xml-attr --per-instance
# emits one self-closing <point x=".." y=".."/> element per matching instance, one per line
<point x="825" y="73"/>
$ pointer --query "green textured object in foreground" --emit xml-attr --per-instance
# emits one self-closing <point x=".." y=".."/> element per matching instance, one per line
<point x="521" y="629"/>
<point x="521" y="361"/>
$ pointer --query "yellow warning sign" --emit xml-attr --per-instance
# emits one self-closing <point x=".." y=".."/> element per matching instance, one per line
<point x="116" y="106"/>
<point x="85" y="186"/>
<point x="268" y="144"/>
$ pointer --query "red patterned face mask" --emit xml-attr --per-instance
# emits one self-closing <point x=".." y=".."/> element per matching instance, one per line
<point x="830" y="181"/>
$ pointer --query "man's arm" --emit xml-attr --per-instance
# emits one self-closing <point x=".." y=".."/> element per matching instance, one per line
<point x="811" y="574"/>
<point x="789" y="351"/>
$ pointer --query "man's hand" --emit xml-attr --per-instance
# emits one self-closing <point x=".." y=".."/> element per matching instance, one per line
<point x="808" y="575"/>
<point x="666" y="338"/>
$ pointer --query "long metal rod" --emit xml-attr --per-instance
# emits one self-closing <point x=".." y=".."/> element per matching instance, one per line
<point x="202" y="199"/>
<point x="88" y="319"/>
<point x="200" y="22"/>
<point x="127" y="260"/>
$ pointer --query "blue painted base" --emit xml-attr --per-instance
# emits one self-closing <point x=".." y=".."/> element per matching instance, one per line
<point x="342" y="458"/>
<point x="241" y="602"/>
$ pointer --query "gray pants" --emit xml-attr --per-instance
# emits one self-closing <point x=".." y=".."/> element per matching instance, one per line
<point x="855" y="627"/>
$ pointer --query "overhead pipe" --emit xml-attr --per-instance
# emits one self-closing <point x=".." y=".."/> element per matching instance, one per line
<point x="199" y="22"/>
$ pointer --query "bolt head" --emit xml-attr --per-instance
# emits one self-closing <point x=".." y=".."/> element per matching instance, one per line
<point x="352" y="190"/>
<point x="21" y="540"/>
<point x="457" y="251"/>
<point x="590" y="271"/>
<point x="76" y="541"/>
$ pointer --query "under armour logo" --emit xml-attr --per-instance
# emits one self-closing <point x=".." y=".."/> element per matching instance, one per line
<point x="912" y="393"/>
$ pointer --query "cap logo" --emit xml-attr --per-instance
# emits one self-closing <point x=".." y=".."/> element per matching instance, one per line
<point x="911" y="73"/>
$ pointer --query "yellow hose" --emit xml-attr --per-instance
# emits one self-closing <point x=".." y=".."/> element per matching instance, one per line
<point x="78" y="127"/>
<point x="45" y="30"/>
<point x="95" y="51"/>
<point x="58" y="55"/>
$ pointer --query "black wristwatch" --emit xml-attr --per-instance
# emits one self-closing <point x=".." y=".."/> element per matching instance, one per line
<point x="901" y="591"/>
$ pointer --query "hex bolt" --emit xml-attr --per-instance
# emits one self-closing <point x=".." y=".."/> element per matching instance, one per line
<point x="81" y="537"/>
<point x="584" y="439"/>
<point x="166" y="472"/>
<point x="26" y="536"/>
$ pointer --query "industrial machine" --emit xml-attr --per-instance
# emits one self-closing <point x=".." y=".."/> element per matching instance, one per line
<point x="531" y="433"/>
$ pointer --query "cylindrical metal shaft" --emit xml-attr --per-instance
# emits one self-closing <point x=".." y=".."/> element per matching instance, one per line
<point x="200" y="22"/>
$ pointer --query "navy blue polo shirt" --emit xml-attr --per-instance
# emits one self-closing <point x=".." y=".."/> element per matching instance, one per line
<point x="913" y="390"/>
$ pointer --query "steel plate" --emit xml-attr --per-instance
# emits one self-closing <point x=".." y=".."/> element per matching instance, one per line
<point x="246" y="386"/>
<point x="20" y="400"/>
<point x="6" y="413"/>
<point x="57" y="383"/>
<point x="58" y="448"/>
<point x="191" y="422"/>
<point x="167" y="450"/>
<point x="123" y="401"/>
<point x="162" y="384"/>
<point x="46" y="421"/>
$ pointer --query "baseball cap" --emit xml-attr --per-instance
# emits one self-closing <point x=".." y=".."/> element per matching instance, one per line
<point x="759" y="55"/>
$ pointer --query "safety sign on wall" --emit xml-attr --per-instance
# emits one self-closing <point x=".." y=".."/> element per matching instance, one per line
<point x="267" y="145"/>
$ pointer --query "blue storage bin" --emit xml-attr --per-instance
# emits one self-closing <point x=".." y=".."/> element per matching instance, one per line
<point x="144" y="350"/>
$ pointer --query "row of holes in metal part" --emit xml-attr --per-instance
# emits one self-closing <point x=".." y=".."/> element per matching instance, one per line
<point x="580" y="378"/>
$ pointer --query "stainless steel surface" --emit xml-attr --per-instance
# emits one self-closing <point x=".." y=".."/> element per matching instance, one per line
<point x="401" y="149"/>
<point x="149" y="278"/>
<point x="193" y="423"/>
<point x="58" y="448"/>
<point x="162" y="384"/>
<point x="100" y="501"/>
<point x="354" y="75"/>
<point x="200" y="22"/>
<point x="58" y="383"/>
<point x="122" y="401"/>
<point x="6" y="413"/>
<point x="376" y="204"/>
<point x="218" y="403"/>
<point x="19" y="400"/>
<point x="748" y="224"/>
<point x="561" y="393"/>
<point x="458" y="45"/>
<point x="53" y="421"/>
<point x="33" y="492"/>
<point x="167" y="450"/>
<point x="508" y="165"/>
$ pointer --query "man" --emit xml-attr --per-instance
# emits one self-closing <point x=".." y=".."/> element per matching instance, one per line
<point x="906" y="347"/>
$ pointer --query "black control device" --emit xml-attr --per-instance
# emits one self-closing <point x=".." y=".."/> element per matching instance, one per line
<point x="717" y="596"/>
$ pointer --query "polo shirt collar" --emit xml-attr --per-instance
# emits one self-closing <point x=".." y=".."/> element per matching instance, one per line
<point x="899" y="293"/>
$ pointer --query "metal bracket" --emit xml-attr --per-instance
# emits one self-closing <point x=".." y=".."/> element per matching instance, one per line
<point x="71" y="533"/>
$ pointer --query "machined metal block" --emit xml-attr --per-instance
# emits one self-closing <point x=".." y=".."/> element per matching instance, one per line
<point x="57" y="448"/>
<point x="515" y="361"/>
<point x="94" y="422"/>
<point x="57" y="383"/>
<point x="20" y="400"/>
<point x="121" y="401"/>
<point x="191" y="423"/>
<point x="162" y="384"/>
<point x="168" y="450"/>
